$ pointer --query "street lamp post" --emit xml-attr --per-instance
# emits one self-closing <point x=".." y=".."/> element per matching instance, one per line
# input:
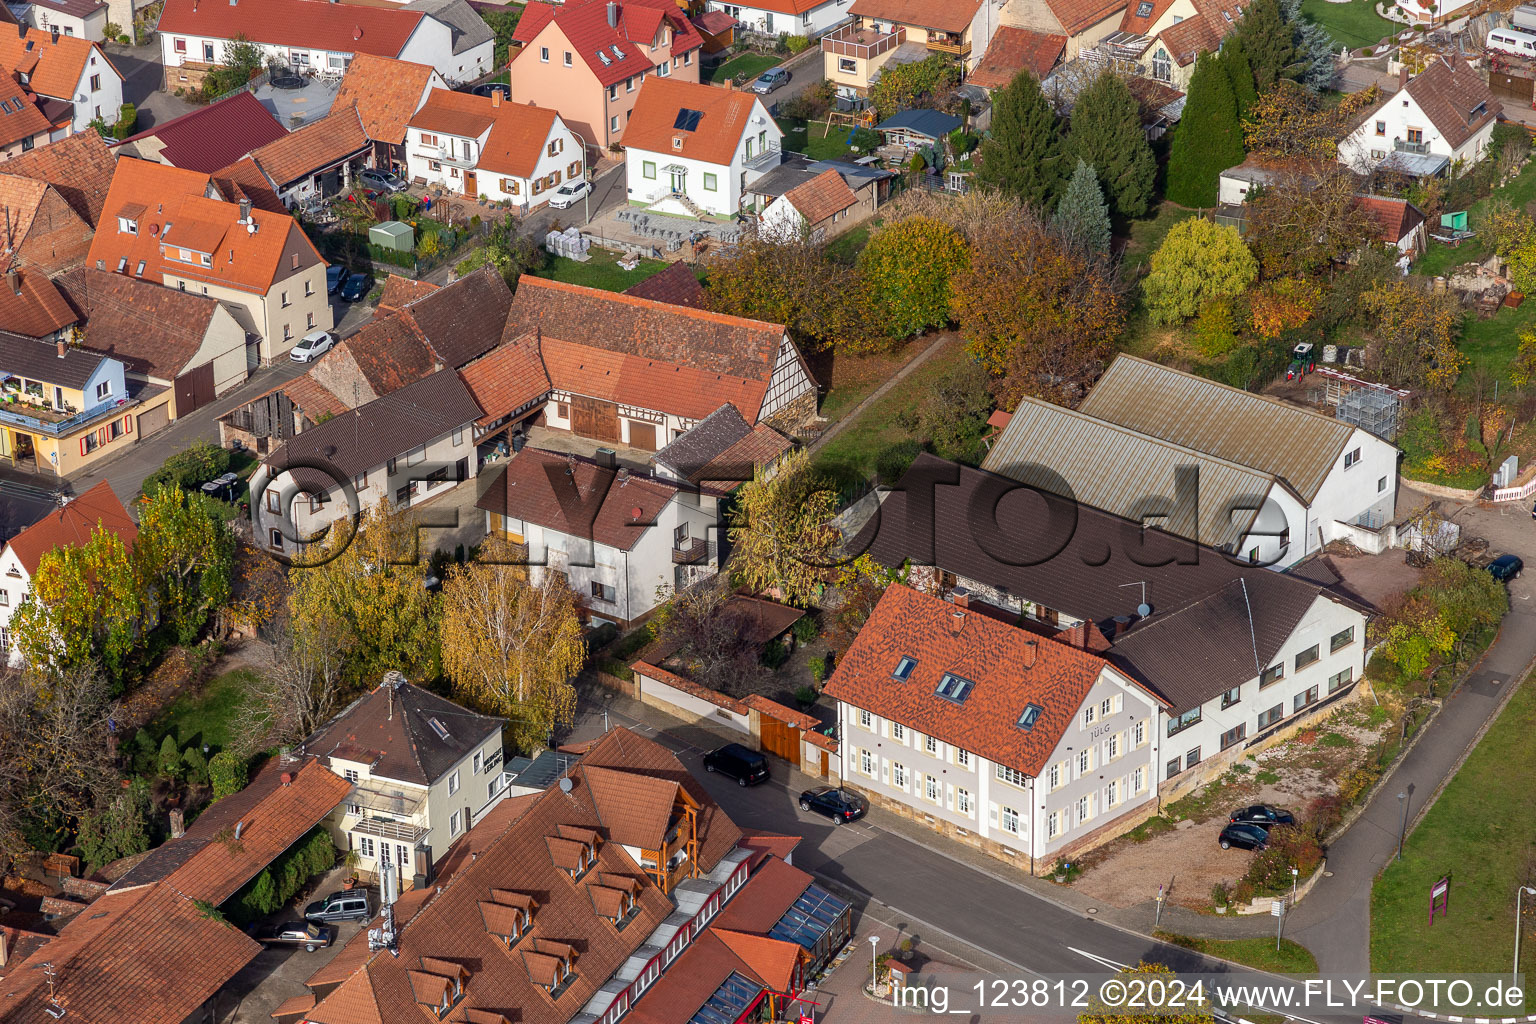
<point x="1294" y="873"/>
<point x="586" y="199"/>
<point x="874" y="970"/>
<point x="1402" y="800"/>
<point x="1520" y="892"/>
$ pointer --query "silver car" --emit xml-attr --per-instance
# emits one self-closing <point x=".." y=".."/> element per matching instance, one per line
<point x="770" y="80"/>
<point x="384" y="181"/>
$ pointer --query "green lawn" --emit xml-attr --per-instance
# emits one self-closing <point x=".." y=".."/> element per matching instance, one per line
<point x="845" y="248"/>
<point x="1354" y="24"/>
<point x="814" y="139"/>
<point x="749" y="64"/>
<point x="1493" y="343"/>
<point x="877" y="441"/>
<point x="601" y="271"/>
<point x="1480" y="833"/>
<point x="203" y="718"/>
<point x="1440" y="258"/>
<point x="1292" y="958"/>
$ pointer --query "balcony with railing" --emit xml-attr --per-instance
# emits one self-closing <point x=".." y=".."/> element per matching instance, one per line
<point x="693" y="549"/>
<point x="950" y="43"/>
<point x="862" y="43"/>
<point x="768" y="157"/>
<point x="455" y="157"/>
<point x="44" y="419"/>
<point x="1403" y="146"/>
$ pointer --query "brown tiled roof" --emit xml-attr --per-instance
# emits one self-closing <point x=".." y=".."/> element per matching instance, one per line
<point x="154" y="330"/>
<point x="772" y="844"/>
<point x="312" y="398"/>
<point x="244" y="180"/>
<point x="73" y="525"/>
<point x="1040" y="568"/>
<point x="704" y="442"/>
<point x="944" y="15"/>
<point x="652" y="125"/>
<point x="681" y="358"/>
<point x="763" y="447"/>
<point x="822" y="196"/>
<point x="1151" y="96"/>
<point x="326" y="142"/>
<point x="449" y="935"/>
<point x="1188" y="39"/>
<point x="764" y="618"/>
<point x="1392" y="218"/>
<point x="389" y="352"/>
<point x="57" y="64"/>
<point x="394" y="726"/>
<point x="386" y="92"/>
<point x="400" y="290"/>
<point x="507" y="378"/>
<point x="772" y="890"/>
<point x="79" y="166"/>
<point x="677" y="285"/>
<point x="636" y="810"/>
<point x="695" y="976"/>
<point x="1017" y="49"/>
<point x="535" y="487"/>
<point x="689" y="687"/>
<point x="26" y="119"/>
<point x="518" y="130"/>
<point x="31" y="305"/>
<point x="1455" y="98"/>
<point x="463" y="320"/>
<point x="1078" y="15"/>
<point x="1010" y="669"/>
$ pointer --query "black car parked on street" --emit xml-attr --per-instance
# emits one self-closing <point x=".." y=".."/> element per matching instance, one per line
<point x="1244" y="837"/>
<point x="838" y="804"/>
<point x="1262" y="815"/>
<point x="735" y="761"/>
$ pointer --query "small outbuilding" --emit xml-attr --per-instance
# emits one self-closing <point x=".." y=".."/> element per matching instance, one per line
<point x="393" y="234"/>
<point x="914" y="128"/>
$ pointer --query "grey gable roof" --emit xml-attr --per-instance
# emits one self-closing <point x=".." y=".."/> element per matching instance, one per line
<point x="372" y="434"/>
<point x="391" y="729"/>
<point x="705" y="441"/>
<point x="1089" y="564"/>
<point x="35" y="360"/>
<point x="468" y="28"/>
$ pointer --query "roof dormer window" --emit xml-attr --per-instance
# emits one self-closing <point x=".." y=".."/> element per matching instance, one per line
<point x="564" y="975"/>
<point x="127" y="226"/>
<point x="903" y="670"/>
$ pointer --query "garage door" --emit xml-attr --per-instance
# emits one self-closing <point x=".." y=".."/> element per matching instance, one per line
<point x="194" y="388"/>
<point x="642" y="435"/>
<point x="1510" y="87"/>
<point x="781" y="739"/>
<point x="151" y="420"/>
<point x="594" y="418"/>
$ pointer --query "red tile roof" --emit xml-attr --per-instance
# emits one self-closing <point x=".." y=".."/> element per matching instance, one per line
<point x="822" y="196"/>
<point x="56" y="66"/>
<point x="1017" y="49"/>
<point x="315" y="147"/>
<point x="944" y="15"/>
<point x="646" y="353"/>
<point x="536" y="488"/>
<point x="24" y="118"/>
<point x="506" y="378"/>
<point x="342" y="28"/>
<point x="1393" y="218"/>
<point x="652" y="125"/>
<point x="1078" y="15"/>
<point x="244" y="180"/>
<point x="519" y="131"/>
<point x="449" y="937"/>
<point x="677" y="285"/>
<point x="584" y="23"/>
<point x="400" y="290"/>
<point x="214" y="136"/>
<point x="73" y="525"/>
<point x="1009" y="667"/>
<point x="689" y="687"/>
<point x="31" y="305"/>
<point x="387" y="92"/>
<point x="80" y="166"/>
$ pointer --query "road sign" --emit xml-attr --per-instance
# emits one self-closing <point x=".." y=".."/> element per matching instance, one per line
<point x="1440" y="899"/>
<point x="1277" y="908"/>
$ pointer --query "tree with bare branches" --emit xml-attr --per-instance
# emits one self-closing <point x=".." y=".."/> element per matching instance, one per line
<point x="714" y="637"/>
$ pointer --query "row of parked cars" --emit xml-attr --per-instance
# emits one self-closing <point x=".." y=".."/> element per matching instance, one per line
<point x="750" y="768"/>
<point x="1248" y="827"/>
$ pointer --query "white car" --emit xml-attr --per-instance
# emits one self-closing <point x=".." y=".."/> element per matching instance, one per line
<point x="312" y="346"/>
<point x="569" y="194"/>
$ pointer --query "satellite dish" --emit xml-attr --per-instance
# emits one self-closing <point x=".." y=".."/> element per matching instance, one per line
<point x="1143" y="609"/>
<point x="566" y="785"/>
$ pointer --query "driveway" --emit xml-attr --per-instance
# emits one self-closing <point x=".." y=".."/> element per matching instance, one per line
<point x="143" y="79"/>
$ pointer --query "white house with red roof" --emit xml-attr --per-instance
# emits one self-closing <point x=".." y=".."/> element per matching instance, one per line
<point x="481" y="146"/>
<point x="1439" y="120"/>
<point x="309" y="35"/>
<point x="73" y="524"/>
<point x="795" y="17"/>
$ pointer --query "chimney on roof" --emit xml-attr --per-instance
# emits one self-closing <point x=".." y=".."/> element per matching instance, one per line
<point x="956" y="621"/>
<point x="287" y="778"/>
<point x="178" y="823"/>
<point x="613" y="14"/>
<point x="1402" y="76"/>
<point x="14" y="280"/>
<point x="357" y="32"/>
<point x="1030" y="647"/>
<point x="960" y="597"/>
<point x="245" y="211"/>
<point x="496" y="98"/>
<point x="1122" y="623"/>
<point x="61" y="347"/>
<point x="4" y="950"/>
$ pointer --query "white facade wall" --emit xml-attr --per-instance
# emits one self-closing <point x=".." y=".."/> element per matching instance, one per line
<point x="1369" y="484"/>
<point x="781" y="222"/>
<point x="92" y="26"/>
<point x="99" y="93"/>
<point x="810" y="23"/>
<point x="474" y="62"/>
<point x="15" y="584"/>
<point x="1203" y="738"/>
<point x="1281" y="511"/>
<point x="1368" y="145"/>
<point x="444" y="163"/>
<point x="431" y="44"/>
<point x="648" y="179"/>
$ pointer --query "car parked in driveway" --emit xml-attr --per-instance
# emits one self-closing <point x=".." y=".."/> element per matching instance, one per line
<point x="831" y="802"/>
<point x="735" y="761"/>
<point x="308" y="934"/>
<point x="1505" y="568"/>
<point x="312" y="346"/>
<point x="335" y="274"/>
<point x="1244" y="837"/>
<point x="1261" y="815"/>
<point x="773" y="78"/>
<point x="348" y="905"/>
<point x="569" y="194"/>
<point x="383" y="181"/>
<point x="356" y="287"/>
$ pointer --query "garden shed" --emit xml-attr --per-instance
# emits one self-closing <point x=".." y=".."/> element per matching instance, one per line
<point x="393" y="234"/>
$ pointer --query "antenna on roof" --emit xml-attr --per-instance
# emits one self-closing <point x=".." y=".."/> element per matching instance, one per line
<point x="1143" y="609"/>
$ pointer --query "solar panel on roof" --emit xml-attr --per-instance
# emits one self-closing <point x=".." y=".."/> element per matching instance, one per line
<point x="729" y="1002"/>
<point x="811" y="917"/>
<point x="688" y="120"/>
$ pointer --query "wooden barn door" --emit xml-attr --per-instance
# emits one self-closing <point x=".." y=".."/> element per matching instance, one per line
<point x="594" y="418"/>
<point x="781" y="740"/>
<point x="642" y="435"/>
<point x="194" y="388"/>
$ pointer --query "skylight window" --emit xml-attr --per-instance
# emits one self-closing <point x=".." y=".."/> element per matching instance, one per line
<point x="5" y="105"/>
<point x="604" y="58"/>
<point x="438" y="728"/>
<point x="954" y="688"/>
<point x="903" y="670"/>
<point x="616" y="51"/>
<point x="1144" y="9"/>
<point x="1029" y="716"/>
<point x="140" y="271"/>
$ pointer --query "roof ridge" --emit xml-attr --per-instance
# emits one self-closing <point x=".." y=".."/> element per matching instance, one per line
<point x="1250" y="395"/>
<point x="687" y="312"/>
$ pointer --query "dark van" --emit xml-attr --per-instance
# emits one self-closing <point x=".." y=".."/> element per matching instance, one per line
<point x="747" y="767"/>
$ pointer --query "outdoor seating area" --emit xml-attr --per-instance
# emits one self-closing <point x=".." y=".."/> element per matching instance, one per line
<point x="672" y="233"/>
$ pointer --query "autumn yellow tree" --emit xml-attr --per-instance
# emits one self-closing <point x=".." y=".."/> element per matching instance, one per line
<point x="794" y="283"/>
<point x="185" y="554"/>
<point x="1523" y="370"/>
<point x="510" y="645"/>
<point x="368" y="590"/>
<point x="1288" y="120"/>
<point x="908" y="267"/>
<point x="782" y="531"/>
<point x="86" y="606"/>
<point x="1416" y="334"/>
<point x="1282" y="305"/>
